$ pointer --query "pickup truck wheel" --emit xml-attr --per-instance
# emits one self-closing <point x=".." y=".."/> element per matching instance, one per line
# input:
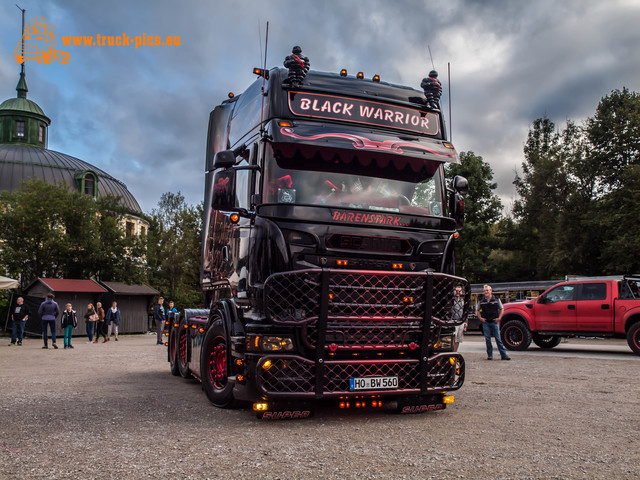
<point x="515" y="335"/>
<point x="214" y="365"/>
<point x="173" y="353"/>
<point x="546" y="341"/>
<point x="183" y="352"/>
<point x="633" y="338"/>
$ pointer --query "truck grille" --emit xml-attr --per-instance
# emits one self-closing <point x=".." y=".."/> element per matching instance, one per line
<point x="364" y="309"/>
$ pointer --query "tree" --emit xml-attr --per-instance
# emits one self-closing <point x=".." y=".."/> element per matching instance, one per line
<point x="173" y="249"/>
<point x="614" y="133"/>
<point x="482" y="211"/>
<point x="50" y="231"/>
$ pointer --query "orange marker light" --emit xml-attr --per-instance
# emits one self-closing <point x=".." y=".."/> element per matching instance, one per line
<point x="285" y="123"/>
<point x="342" y="263"/>
<point x="397" y="266"/>
<point x="360" y="76"/>
<point x="231" y="95"/>
<point x="343" y="72"/>
<point x="376" y="78"/>
<point x="234" y="218"/>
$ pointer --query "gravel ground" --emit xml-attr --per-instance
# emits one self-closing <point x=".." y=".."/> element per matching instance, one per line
<point x="114" y="411"/>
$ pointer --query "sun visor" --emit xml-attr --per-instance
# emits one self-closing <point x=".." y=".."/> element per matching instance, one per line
<point x="332" y="142"/>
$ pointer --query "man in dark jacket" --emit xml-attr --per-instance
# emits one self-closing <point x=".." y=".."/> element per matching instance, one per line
<point x="20" y="315"/>
<point x="490" y="312"/>
<point x="159" y="316"/>
<point x="49" y="311"/>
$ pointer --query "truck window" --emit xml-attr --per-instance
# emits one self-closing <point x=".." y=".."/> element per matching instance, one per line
<point x="593" y="291"/>
<point x="354" y="181"/>
<point x="562" y="293"/>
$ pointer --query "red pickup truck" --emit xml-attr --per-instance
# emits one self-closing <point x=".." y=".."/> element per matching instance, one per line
<point x="598" y="308"/>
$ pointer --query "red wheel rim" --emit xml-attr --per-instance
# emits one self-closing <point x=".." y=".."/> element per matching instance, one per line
<point x="218" y="363"/>
<point x="182" y="352"/>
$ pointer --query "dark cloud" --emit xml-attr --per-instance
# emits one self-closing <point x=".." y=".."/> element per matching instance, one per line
<point x="141" y="114"/>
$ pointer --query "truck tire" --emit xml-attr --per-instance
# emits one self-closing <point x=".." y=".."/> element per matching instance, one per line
<point x="515" y="335"/>
<point x="182" y="353"/>
<point x="546" y="341"/>
<point x="173" y="352"/>
<point x="214" y="367"/>
<point x="633" y="338"/>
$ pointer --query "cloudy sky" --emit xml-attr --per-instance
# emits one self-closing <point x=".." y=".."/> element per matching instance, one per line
<point x="141" y="114"/>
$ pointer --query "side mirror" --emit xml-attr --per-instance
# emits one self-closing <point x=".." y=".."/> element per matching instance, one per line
<point x="460" y="184"/>
<point x="224" y="159"/>
<point x="223" y="196"/>
<point x="542" y="299"/>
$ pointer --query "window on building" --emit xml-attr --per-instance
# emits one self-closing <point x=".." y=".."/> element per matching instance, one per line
<point x="20" y="129"/>
<point x="143" y="230"/>
<point x="130" y="229"/>
<point x="90" y="185"/>
<point x="41" y="133"/>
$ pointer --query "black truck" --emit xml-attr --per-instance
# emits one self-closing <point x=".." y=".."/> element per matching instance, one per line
<point x="328" y="248"/>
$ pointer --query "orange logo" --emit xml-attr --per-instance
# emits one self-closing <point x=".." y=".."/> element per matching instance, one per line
<point x="39" y="43"/>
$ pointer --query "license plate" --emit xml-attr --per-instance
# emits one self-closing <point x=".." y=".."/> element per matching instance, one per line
<point x="373" y="383"/>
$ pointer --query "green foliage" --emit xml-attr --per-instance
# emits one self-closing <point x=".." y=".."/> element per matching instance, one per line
<point x="579" y="193"/>
<point x="50" y="231"/>
<point x="173" y="250"/>
<point x="482" y="210"/>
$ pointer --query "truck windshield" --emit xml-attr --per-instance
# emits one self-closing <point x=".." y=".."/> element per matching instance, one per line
<point x="352" y="179"/>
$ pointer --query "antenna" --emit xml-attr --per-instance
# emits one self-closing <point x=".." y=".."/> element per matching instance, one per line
<point x="431" y="57"/>
<point x="22" y="38"/>
<point x="260" y="42"/>
<point x="264" y="78"/>
<point x="449" y="82"/>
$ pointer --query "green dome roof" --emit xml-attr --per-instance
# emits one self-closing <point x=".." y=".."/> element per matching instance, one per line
<point x="22" y="105"/>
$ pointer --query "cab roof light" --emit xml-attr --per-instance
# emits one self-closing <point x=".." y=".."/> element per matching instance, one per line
<point x="231" y="95"/>
<point x="261" y="72"/>
<point x="343" y="72"/>
<point x="360" y="76"/>
<point x="376" y="78"/>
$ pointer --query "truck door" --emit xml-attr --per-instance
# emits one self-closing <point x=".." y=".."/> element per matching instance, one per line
<point x="556" y="309"/>
<point x="594" y="309"/>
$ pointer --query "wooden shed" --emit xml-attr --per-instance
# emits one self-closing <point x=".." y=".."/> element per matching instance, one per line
<point x="134" y="302"/>
<point x="79" y="293"/>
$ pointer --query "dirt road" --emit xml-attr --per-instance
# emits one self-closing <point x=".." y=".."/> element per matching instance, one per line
<point x="114" y="411"/>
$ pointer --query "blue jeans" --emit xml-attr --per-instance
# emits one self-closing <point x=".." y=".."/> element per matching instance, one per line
<point x="90" y="326"/>
<point x="17" y="331"/>
<point x="68" y="331"/>
<point x="489" y="330"/>
<point x="52" y="327"/>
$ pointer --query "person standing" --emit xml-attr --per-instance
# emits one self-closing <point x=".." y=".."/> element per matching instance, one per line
<point x="49" y="311"/>
<point x="457" y="311"/>
<point x="489" y="311"/>
<point x="69" y="322"/>
<point x="171" y="308"/>
<point x="159" y="316"/>
<point x="113" y="321"/>
<point x="19" y="317"/>
<point x="100" y="323"/>
<point x="90" y="320"/>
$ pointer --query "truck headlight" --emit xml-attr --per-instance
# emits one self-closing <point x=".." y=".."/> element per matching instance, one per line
<point x="270" y="343"/>
<point x="445" y="343"/>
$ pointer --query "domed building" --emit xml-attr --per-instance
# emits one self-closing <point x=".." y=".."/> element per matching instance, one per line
<point x="24" y="155"/>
